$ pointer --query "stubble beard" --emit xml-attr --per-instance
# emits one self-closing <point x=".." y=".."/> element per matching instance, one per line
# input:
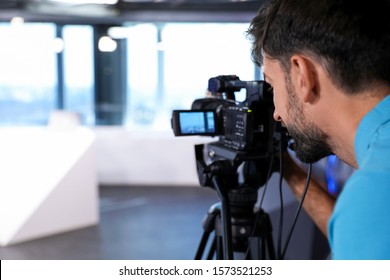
<point x="310" y="142"/>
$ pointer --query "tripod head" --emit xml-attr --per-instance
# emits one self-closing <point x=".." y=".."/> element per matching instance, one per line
<point x="224" y="162"/>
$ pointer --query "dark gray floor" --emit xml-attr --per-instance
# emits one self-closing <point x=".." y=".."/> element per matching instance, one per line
<point x="158" y="223"/>
<point x="135" y="223"/>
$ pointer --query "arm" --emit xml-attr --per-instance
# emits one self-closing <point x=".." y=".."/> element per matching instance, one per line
<point x="318" y="202"/>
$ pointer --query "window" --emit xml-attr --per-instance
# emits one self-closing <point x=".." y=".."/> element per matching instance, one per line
<point x="78" y="71"/>
<point x="28" y="81"/>
<point x="142" y="69"/>
<point x="169" y="66"/>
<point x="196" y="52"/>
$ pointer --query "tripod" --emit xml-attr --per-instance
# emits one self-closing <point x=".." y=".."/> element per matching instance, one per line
<point x="247" y="233"/>
<point x="235" y="223"/>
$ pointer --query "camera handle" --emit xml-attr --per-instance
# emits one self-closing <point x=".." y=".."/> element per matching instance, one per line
<point x="225" y="220"/>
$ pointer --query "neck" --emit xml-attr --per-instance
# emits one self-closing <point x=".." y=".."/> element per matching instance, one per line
<point x="345" y="115"/>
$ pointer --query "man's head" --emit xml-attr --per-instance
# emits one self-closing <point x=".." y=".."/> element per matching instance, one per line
<point x="348" y="39"/>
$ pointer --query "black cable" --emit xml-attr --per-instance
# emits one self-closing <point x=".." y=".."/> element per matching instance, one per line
<point x="267" y="179"/>
<point x="298" y="210"/>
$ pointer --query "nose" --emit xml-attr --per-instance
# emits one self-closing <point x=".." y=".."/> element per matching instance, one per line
<point x="277" y="116"/>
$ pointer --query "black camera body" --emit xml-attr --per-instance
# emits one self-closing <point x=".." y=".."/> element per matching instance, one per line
<point x="244" y="127"/>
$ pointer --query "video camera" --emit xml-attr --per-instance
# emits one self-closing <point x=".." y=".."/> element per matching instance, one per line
<point x="248" y="151"/>
<point x="245" y="129"/>
<point x="249" y="137"/>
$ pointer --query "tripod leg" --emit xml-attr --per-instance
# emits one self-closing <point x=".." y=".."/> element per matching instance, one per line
<point x="202" y="245"/>
<point x="212" y="249"/>
<point x="208" y="227"/>
<point x="263" y="233"/>
<point x="256" y="252"/>
<point x="219" y="243"/>
<point x="248" y="253"/>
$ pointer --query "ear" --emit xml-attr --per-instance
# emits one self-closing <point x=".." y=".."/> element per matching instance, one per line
<point x="304" y="77"/>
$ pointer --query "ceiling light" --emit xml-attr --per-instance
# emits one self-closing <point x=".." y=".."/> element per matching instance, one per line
<point x="107" y="44"/>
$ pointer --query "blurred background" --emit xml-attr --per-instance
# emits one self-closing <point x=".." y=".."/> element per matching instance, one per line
<point x="89" y="166"/>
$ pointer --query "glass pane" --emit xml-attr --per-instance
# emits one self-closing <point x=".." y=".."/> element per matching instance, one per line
<point x="28" y="73"/>
<point x="142" y="75"/>
<point x="169" y="71"/>
<point x="196" y="52"/>
<point x="78" y="71"/>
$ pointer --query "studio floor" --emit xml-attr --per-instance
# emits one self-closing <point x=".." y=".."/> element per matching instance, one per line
<point x="135" y="223"/>
<point x="153" y="223"/>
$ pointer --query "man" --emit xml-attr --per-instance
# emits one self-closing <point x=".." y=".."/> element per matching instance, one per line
<point x="328" y="62"/>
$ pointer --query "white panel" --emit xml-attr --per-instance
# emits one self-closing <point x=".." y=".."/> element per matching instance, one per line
<point x="47" y="182"/>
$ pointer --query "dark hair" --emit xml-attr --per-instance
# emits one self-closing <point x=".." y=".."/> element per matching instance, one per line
<point x="351" y="39"/>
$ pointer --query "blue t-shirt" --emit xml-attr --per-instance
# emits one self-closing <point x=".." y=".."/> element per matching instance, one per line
<point x="360" y="224"/>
